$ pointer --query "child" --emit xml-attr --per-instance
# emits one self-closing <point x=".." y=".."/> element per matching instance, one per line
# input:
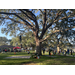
<point x="28" y="51"/>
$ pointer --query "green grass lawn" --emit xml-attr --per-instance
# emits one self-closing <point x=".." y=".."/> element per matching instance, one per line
<point x="44" y="60"/>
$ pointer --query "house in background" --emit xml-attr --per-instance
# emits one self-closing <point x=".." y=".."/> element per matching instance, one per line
<point x="6" y="47"/>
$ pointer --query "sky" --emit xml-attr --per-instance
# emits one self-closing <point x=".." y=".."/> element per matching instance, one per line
<point x="8" y="36"/>
<point x="3" y="35"/>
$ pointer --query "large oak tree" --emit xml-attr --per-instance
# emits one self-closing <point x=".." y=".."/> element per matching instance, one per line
<point x="38" y="21"/>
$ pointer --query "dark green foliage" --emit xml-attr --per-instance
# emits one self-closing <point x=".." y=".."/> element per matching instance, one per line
<point x="43" y="23"/>
<point x="4" y="41"/>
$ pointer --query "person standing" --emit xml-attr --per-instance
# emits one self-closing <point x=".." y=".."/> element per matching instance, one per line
<point x="63" y="52"/>
<point x="26" y="49"/>
<point x="5" y="50"/>
<point x="15" y="51"/>
<point x="71" y="51"/>
<point x="67" y="51"/>
<point x="43" y="50"/>
<point x="50" y="52"/>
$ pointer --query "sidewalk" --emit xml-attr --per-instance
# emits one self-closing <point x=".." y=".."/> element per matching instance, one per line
<point x="71" y="55"/>
<point x="19" y="57"/>
<point x="60" y="55"/>
<point x="49" y="56"/>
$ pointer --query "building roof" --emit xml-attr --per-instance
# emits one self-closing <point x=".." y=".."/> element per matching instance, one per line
<point x="7" y="46"/>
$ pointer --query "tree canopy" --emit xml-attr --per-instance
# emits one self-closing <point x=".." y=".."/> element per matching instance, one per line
<point x="4" y="41"/>
<point x="39" y="21"/>
<point x="27" y="40"/>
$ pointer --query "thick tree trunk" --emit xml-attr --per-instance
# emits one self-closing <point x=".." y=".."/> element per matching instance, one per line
<point x="58" y="49"/>
<point x="38" y="47"/>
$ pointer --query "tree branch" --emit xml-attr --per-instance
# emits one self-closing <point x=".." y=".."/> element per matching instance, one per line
<point x="31" y="14"/>
<point x="41" y="11"/>
<point x="54" y="33"/>
<point x="26" y="23"/>
<point x="64" y="18"/>
<point x="30" y="17"/>
<point x="30" y="26"/>
<point x="44" y="24"/>
<point x="9" y="13"/>
<point x="16" y="14"/>
<point x="57" y="15"/>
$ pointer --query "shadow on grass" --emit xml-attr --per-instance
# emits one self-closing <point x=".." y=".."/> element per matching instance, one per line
<point x="41" y="60"/>
<point x="4" y="61"/>
<point x="60" y="60"/>
<point x="44" y="60"/>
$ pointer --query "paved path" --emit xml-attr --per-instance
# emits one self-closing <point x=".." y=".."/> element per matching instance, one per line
<point x="30" y="56"/>
<point x="71" y="55"/>
<point x="60" y="55"/>
<point x="49" y="56"/>
<point x="19" y="57"/>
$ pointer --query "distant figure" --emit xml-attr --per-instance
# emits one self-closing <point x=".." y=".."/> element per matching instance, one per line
<point x="14" y="50"/>
<point x="71" y="51"/>
<point x="54" y="52"/>
<point x="26" y="49"/>
<point x="63" y="52"/>
<point x="67" y="51"/>
<point x="43" y="50"/>
<point x="50" y="52"/>
<point x="5" y="50"/>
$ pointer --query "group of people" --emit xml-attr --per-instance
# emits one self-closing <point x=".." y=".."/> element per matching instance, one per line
<point x="67" y="52"/>
<point x="64" y="52"/>
<point x="54" y="52"/>
<point x="6" y="50"/>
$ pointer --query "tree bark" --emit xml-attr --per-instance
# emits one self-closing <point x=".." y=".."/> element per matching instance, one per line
<point x="58" y="46"/>
<point x="58" y="49"/>
<point x="38" y="47"/>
